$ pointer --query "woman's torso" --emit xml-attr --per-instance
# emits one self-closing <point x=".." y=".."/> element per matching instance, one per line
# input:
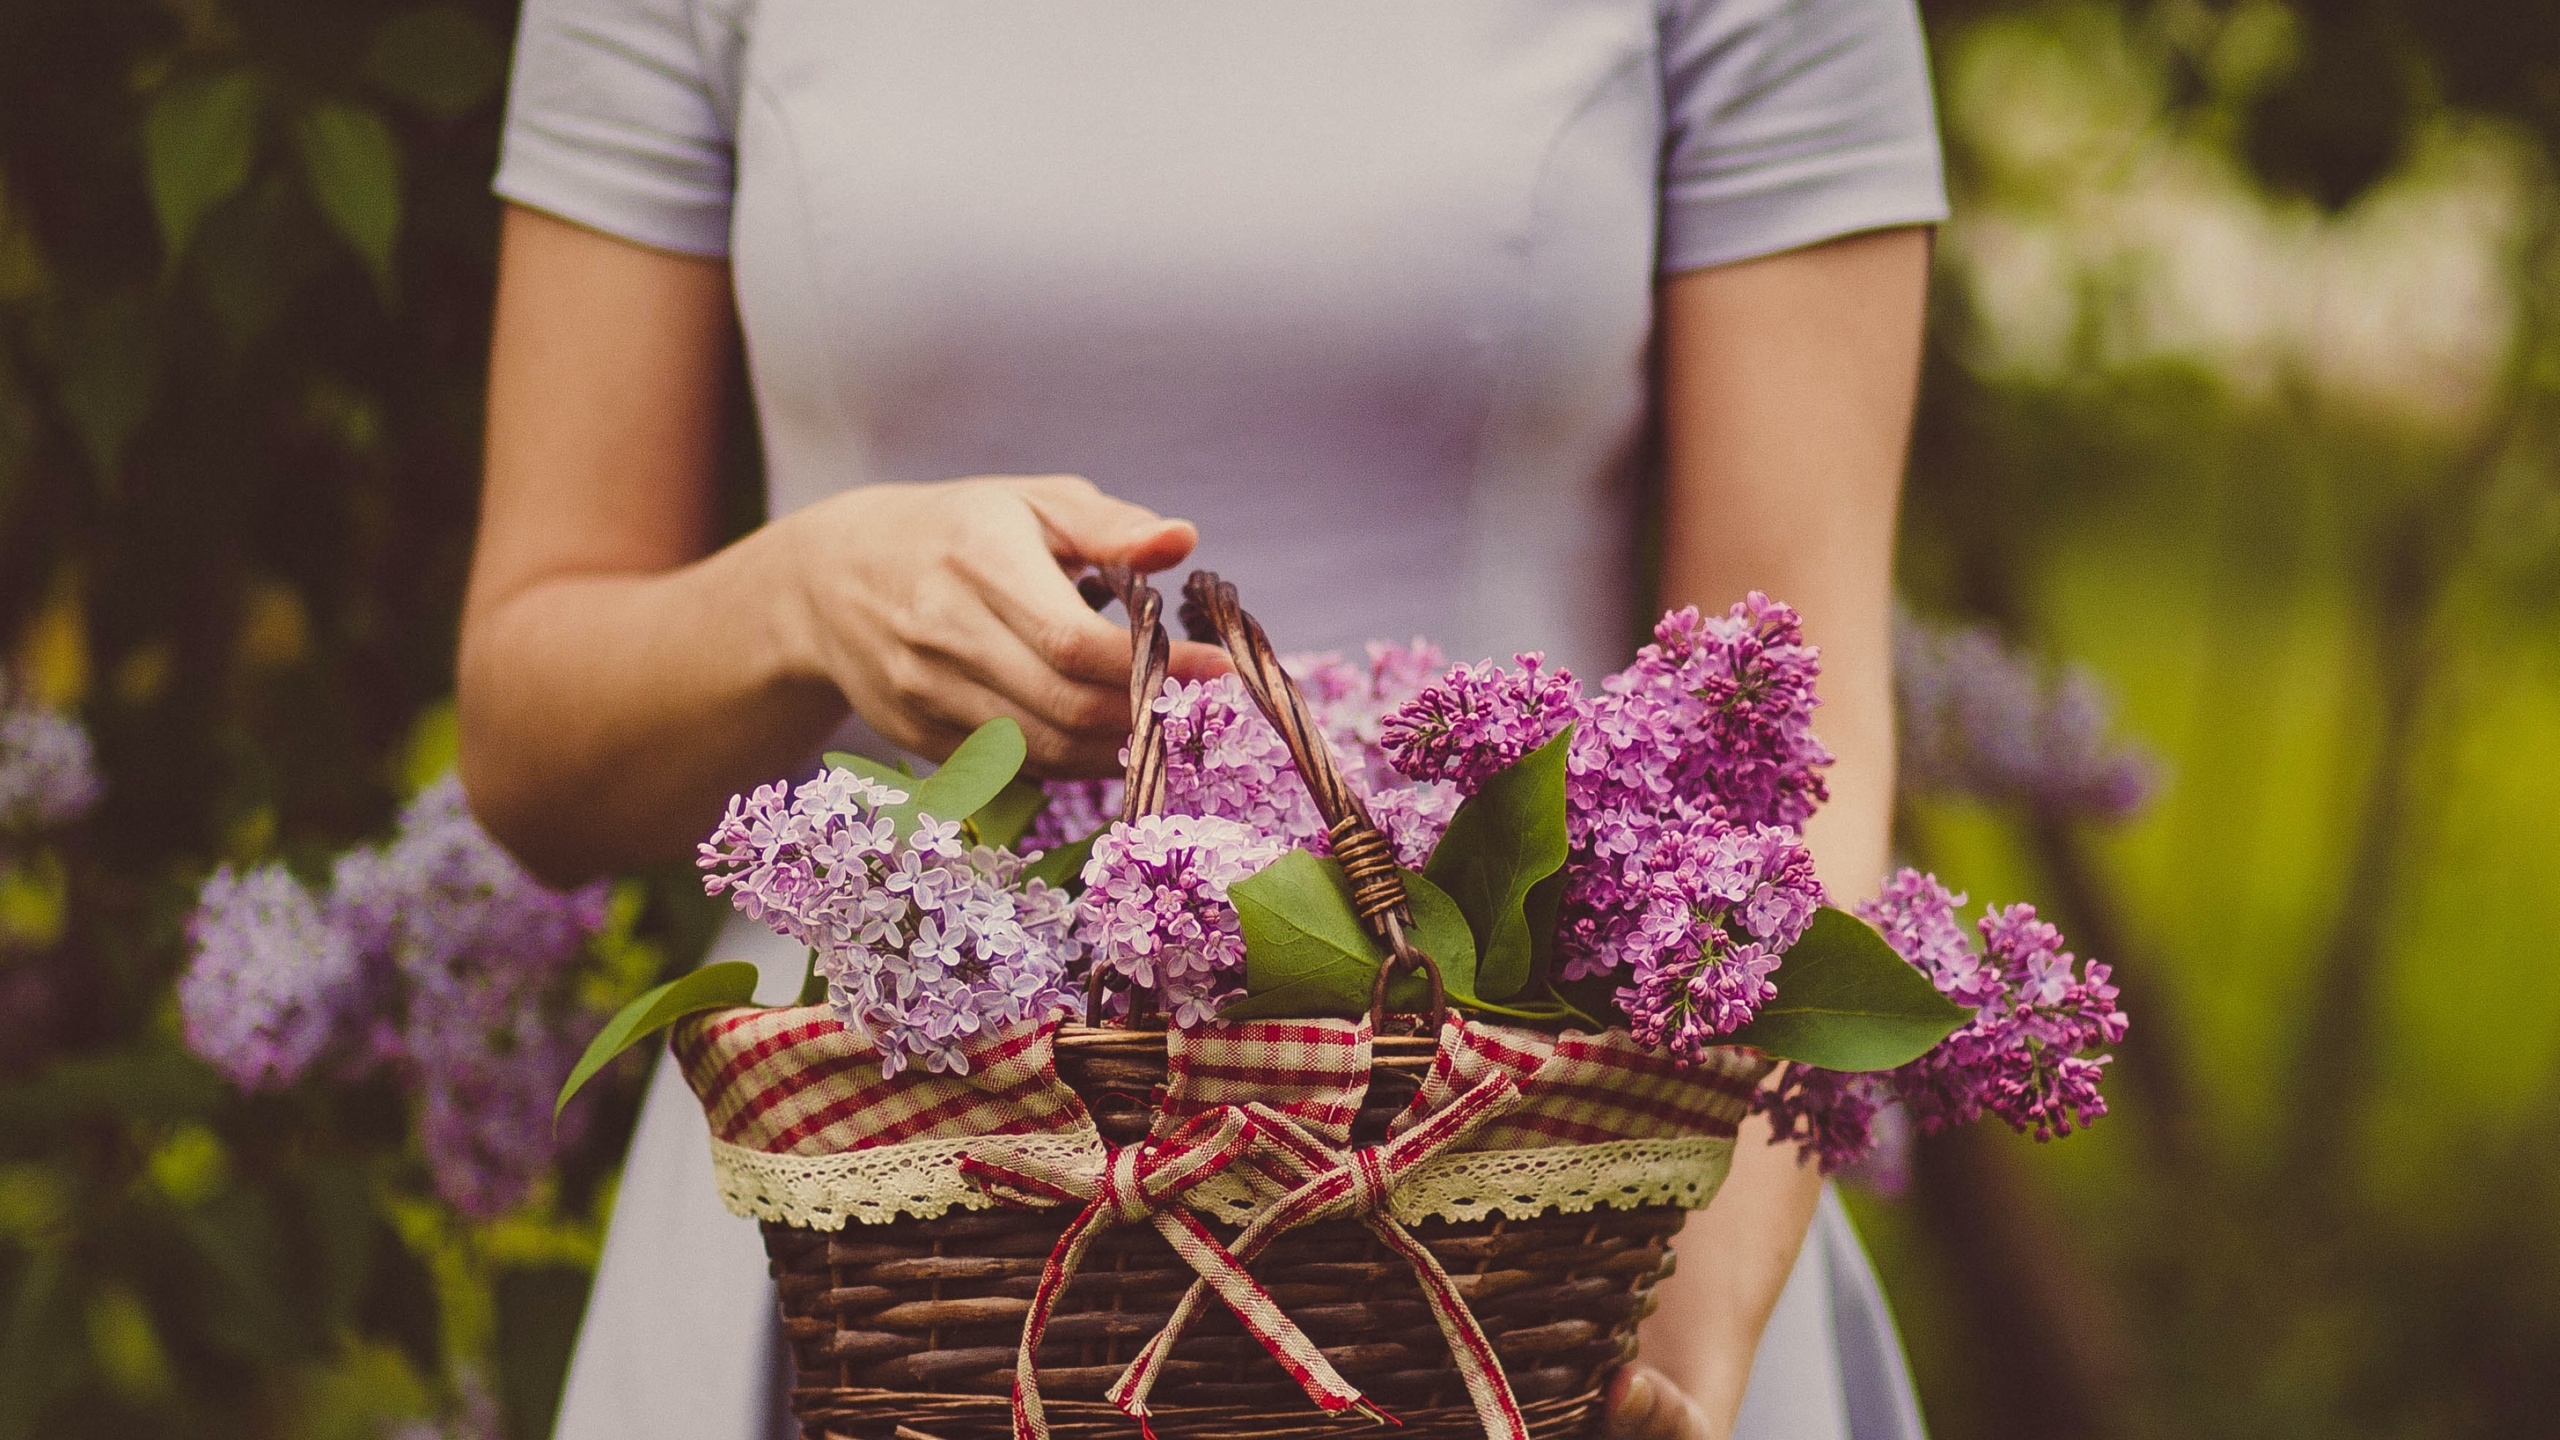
<point x="1361" y="287"/>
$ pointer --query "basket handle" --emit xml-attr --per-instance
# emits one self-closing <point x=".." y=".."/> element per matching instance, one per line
<point x="1213" y="614"/>
<point x="1211" y="611"/>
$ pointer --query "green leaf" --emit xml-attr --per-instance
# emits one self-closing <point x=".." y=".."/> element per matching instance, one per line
<point x="869" y="769"/>
<point x="352" y="164"/>
<point x="1847" y="1002"/>
<point x="1305" y="953"/>
<point x="1507" y="838"/>
<point x="439" y="59"/>
<point x="813" y="986"/>
<point x="713" y="987"/>
<point x="197" y="144"/>
<point x="1545" y="903"/>
<point x="1063" y="867"/>
<point x="976" y="773"/>
<point x="109" y="359"/>
<point x="1003" y="820"/>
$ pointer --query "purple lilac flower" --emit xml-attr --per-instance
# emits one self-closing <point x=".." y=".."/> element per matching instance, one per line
<point x="479" y="952"/>
<point x="48" y="771"/>
<point x="1223" y="758"/>
<point x="923" y="944"/>
<point x="436" y="955"/>
<point x="1352" y="701"/>
<point x="2023" y="1057"/>
<point x="487" y="1079"/>
<point x="1076" y="809"/>
<point x="1887" y="1165"/>
<point x="1704" y="912"/>
<point x="273" y="985"/>
<point x="1829" y="1115"/>
<point x="1478" y="719"/>
<point x="1155" y="909"/>
<point x="1716" y="714"/>
<point x="1980" y="720"/>
<point x="1413" y="817"/>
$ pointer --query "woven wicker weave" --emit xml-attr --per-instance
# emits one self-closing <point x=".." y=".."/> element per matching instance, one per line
<point x="908" y="1329"/>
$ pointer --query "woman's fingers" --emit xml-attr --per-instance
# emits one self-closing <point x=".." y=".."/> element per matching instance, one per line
<point x="1086" y="527"/>
<point x="1009" y="562"/>
<point x="959" y="704"/>
<point x="1645" y="1406"/>
<point x="1040" y="604"/>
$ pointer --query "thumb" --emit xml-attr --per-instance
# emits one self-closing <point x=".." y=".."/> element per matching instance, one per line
<point x="1644" y="1406"/>
<point x="1087" y="527"/>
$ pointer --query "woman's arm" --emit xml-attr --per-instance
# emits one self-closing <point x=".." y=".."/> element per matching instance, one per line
<point x="619" y="678"/>
<point x="1787" y="390"/>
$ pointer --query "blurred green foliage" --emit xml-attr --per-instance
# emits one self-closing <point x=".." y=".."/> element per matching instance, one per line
<point x="246" y="250"/>
<point x="2242" y="389"/>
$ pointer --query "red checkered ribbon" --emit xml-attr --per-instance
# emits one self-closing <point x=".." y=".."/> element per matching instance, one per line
<point x="1312" y="1071"/>
<point x="1146" y="1182"/>
<point x="1331" y="1182"/>
<point x="795" y="1081"/>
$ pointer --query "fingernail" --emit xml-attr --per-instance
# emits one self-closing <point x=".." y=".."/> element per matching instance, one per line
<point x="1638" y="1398"/>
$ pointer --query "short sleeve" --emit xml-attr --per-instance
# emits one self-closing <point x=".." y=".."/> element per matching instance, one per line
<point x="621" y="116"/>
<point x="1788" y="122"/>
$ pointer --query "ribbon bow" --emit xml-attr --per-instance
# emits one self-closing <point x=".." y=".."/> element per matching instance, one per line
<point x="1329" y="1183"/>
<point x="1146" y="1182"/>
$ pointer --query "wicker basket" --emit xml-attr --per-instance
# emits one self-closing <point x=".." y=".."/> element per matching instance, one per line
<point x="911" y="1329"/>
<point x="908" y="1329"/>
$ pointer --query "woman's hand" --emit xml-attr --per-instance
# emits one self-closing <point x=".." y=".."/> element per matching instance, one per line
<point x="935" y="608"/>
<point x="1642" y="1405"/>
<point x="622" y="673"/>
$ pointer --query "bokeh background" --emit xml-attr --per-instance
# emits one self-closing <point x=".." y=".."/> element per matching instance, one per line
<point x="2244" y="392"/>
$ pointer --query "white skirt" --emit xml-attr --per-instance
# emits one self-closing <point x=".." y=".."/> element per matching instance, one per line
<point x="681" y="1340"/>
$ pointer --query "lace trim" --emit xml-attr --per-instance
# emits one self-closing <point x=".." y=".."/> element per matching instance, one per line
<point x="872" y="1187"/>
<point x="1567" y="1179"/>
<point x="922" y="1178"/>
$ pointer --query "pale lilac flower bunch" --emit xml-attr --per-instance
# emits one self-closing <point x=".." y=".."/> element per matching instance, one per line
<point x="274" y="985"/>
<point x="2023" y="1056"/>
<point x="1155" y="910"/>
<point x="923" y="943"/>
<point x="48" y="770"/>
<point x="1223" y="758"/>
<point x="437" y="957"/>
<point x="1980" y="720"/>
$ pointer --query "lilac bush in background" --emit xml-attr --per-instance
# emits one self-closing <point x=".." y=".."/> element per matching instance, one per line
<point x="48" y="770"/>
<point x="1982" y="720"/>
<point x="437" y="958"/>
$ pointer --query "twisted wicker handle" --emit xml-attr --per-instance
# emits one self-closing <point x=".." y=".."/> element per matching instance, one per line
<point x="1151" y="656"/>
<point x="1213" y="614"/>
<point x="1211" y="611"/>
